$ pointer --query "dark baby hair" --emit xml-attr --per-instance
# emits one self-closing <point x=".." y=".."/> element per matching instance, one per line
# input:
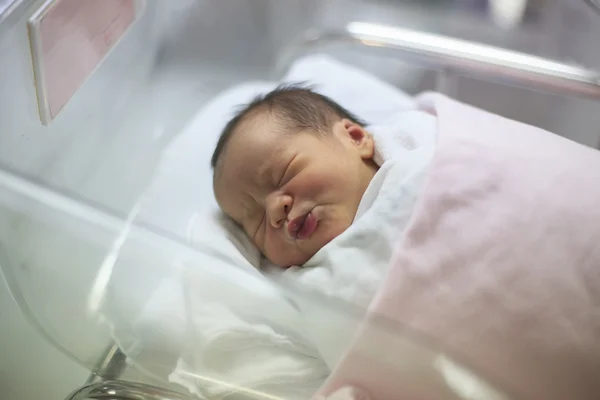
<point x="295" y="106"/>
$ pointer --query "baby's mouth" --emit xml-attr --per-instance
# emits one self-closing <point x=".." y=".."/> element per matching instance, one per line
<point x="302" y="227"/>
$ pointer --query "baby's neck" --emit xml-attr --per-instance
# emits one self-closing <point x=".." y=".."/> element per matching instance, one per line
<point x="370" y="171"/>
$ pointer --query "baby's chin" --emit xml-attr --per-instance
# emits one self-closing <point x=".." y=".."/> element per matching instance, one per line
<point x="295" y="260"/>
<point x="312" y="246"/>
<point x="296" y="256"/>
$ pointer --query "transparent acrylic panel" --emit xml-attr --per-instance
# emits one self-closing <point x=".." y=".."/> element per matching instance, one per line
<point x="81" y="264"/>
<point x="89" y="286"/>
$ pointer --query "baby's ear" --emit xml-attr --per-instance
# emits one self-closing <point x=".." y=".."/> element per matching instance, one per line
<point x="360" y="138"/>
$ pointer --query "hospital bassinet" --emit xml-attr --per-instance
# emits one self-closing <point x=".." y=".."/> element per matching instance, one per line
<point x="69" y="191"/>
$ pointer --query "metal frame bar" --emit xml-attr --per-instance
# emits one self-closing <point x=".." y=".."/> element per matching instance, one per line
<point x="111" y="365"/>
<point x="483" y="61"/>
<point x="460" y="57"/>
<point x="123" y="390"/>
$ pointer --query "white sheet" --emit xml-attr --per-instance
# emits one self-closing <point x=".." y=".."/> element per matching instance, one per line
<point x="204" y="319"/>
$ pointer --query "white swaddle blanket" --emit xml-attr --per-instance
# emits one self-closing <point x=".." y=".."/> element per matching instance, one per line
<point x="351" y="267"/>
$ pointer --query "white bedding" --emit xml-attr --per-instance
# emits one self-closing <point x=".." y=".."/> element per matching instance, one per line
<point x="225" y="326"/>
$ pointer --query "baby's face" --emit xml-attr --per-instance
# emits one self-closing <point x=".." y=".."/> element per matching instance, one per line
<point x="294" y="193"/>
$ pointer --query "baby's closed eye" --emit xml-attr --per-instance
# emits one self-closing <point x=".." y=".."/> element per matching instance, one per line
<point x="286" y="175"/>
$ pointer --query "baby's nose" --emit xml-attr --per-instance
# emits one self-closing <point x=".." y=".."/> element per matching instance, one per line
<point x="278" y="210"/>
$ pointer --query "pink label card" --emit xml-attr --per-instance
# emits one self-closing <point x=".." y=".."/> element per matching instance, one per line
<point x="69" y="40"/>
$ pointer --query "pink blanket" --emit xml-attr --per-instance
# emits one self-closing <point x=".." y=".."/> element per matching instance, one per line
<point x="499" y="267"/>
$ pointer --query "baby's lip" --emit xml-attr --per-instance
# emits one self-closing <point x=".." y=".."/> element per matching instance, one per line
<point x="302" y="227"/>
<point x="295" y="225"/>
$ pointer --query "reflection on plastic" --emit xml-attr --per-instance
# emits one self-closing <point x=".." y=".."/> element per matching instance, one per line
<point x="5" y="5"/>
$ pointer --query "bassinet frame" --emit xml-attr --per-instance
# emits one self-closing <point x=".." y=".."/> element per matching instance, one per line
<point x="451" y="58"/>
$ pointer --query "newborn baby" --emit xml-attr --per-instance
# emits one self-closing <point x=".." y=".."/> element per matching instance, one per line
<point x="291" y="169"/>
<point x="470" y="265"/>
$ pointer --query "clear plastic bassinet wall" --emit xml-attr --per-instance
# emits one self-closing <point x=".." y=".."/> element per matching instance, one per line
<point x="88" y="239"/>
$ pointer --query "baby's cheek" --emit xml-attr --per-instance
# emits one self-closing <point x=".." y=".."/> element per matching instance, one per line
<point x="271" y="248"/>
<point x="333" y="227"/>
<point x="315" y="183"/>
<point x="279" y="251"/>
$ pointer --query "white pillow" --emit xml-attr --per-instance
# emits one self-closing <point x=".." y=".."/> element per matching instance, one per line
<point x="364" y="95"/>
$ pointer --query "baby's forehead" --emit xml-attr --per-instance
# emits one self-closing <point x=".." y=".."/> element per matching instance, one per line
<point x="238" y="183"/>
<point x="275" y="120"/>
<point x="256" y="143"/>
<point x="250" y="156"/>
<point x="258" y="116"/>
<point x="258" y="133"/>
